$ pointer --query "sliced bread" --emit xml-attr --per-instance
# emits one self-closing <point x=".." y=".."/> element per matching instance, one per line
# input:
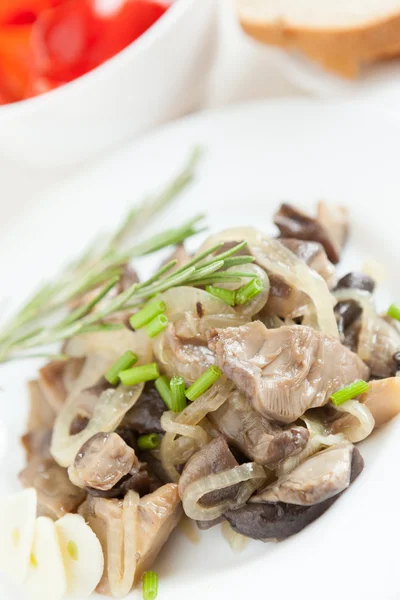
<point x="339" y="34"/>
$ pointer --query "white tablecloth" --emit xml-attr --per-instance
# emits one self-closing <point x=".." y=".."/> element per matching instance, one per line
<point x="243" y="71"/>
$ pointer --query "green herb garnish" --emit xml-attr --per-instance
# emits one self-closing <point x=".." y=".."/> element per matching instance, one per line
<point x="203" y="383"/>
<point x="349" y="392"/>
<point x="139" y="374"/>
<point x="149" y="441"/>
<point x="127" y="360"/>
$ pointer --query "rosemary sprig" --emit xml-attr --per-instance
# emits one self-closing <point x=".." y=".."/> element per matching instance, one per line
<point x="85" y="319"/>
<point x="43" y="321"/>
<point x="100" y="265"/>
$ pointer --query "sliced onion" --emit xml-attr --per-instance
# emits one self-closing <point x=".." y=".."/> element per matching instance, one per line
<point x="107" y="415"/>
<point x="319" y="438"/>
<point x="369" y="319"/>
<point x="210" y="401"/>
<point x="196" y="433"/>
<point x="177" y="451"/>
<point x="275" y="258"/>
<point x="236" y="541"/>
<point x="255" y="305"/>
<point x="357" y="422"/>
<point x="168" y="458"/>
<point x="271" y="321"/>
<point x="199" y="309"/>
<point x="101" y="350"/>
<point x="251" y="475"/>
<point x="121" y="547"/>
<point x="314" y="445"/>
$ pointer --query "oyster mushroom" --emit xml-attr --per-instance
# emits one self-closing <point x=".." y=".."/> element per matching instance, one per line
<point x="264" y="520"/>
<point x="260" y="440"/>
<point x="102" y="461"/>
<point x="284" y="372"/>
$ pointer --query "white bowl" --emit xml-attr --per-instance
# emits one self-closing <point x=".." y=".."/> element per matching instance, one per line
<point x="158" y="77"/>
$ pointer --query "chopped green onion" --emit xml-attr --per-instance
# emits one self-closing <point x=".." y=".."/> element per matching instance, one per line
<point x="139" y="374"/>
<point x="149" y="441"/>
<point x="157" y="325"/>
<point x="127" y="360"/>
<point x="162" y="387"/>
<point x="228" y="296"/>
<point x="349" y="392"/>
<point x="204" y="382"/>
<point x="178" y="388"/>
<point x="249" y="291"/>
<point x="394" y="312"/>
<point x="147" y="314"/>
<point x="150" y="585"/>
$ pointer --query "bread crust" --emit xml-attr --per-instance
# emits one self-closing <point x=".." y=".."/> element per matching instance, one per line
<point x="340" y="50"/>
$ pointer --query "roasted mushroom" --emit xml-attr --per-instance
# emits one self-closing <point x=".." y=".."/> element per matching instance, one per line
<point x="264" y="520"/>
<point x="260" y="440"/>
<point x="284" y="372"/>
<point x="329" y="228"/>
<point x="102" y="461"/>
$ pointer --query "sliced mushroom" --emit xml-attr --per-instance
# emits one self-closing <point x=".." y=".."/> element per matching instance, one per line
<point x="157" y="516"/>
<point x="177" y="358"/>
<point x="356" y="280"/>
<point x="284" y="372"/>
<point x="145" y="415"/>
<point x="279" y="520"/>
<point x="137" y="480"/>
<point x="329" y="228"/>
<point x="214" y="457"/>
<point x="386" y="343"/>
<point x="102" y="461"/>
<point x="315" y="480"/>
<point x="57" y="496"/>
<point x="37" y="442"/>
<point x="56" y="379"/>
<point x="41" y="414"/>
<point x="260" y="440"/>
<point x="346" y="313"/>
<point x="314" y="255"/>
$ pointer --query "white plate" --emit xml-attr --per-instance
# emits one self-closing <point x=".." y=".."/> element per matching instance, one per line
<point x="256" y="156"/>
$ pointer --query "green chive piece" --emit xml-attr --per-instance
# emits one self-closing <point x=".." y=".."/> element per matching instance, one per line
<point x="162" y="387"/>
<point x="394" y="312"/>
<point x="126" y="361"/>
<point x="147" y="314"/>
<point x="349" y="392"/>
<point x="249" y="291"/>
<point x="150" y="441"/>
<point x="157" y="325"/>
<point x="204" y="382"/>
<point x="228" y="296"/>
<point x="150" y="585"/>
<point x="178" y="388"/>
<point x="139" y="374"/>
